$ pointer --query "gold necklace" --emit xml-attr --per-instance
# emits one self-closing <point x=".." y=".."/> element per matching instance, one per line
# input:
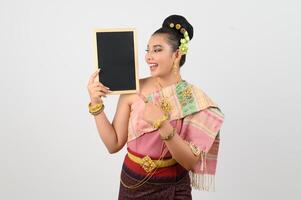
<point x="164" y="101"/>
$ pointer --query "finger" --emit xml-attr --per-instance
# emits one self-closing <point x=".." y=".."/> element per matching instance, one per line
<point x="158" y="104"/>
<point x="93" y="76"/>
<point x="99" y="83"/>
<point x="155" y="103"/>
<point x="101" y="88"/>
<point x="143" y="97"/>
<point x="99" y="94"/>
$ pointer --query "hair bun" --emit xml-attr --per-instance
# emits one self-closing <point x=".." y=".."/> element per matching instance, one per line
<point x="178" y="19"/>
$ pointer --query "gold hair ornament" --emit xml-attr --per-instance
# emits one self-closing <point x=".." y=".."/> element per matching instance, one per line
<point x="184" y="41"/>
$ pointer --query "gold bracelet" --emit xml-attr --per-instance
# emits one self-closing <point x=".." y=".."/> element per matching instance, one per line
<point x="157" y="124"/>
<point x="96" y="109"/>
<point x="168" y="137"/>
<point x="100" y="111"/>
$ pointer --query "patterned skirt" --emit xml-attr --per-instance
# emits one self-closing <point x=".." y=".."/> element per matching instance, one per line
<point x="168" y="183"/>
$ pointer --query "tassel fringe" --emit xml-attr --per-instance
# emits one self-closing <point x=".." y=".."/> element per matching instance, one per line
<point x="205" y="182"/>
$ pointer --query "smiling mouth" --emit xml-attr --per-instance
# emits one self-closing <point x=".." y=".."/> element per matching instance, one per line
<point x="153" y="66"/>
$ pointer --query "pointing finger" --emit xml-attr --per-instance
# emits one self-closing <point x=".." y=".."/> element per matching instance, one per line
<point x="143" y="97"/>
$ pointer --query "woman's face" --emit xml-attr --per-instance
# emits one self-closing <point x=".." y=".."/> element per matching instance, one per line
<point x="159" y="55"/>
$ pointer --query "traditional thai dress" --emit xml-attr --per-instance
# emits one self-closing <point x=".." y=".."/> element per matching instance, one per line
<point x="197" y="120"/>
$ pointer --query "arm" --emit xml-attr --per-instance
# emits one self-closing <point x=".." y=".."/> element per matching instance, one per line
<point x="178" y="148"/>
<point x="114" y="135"/>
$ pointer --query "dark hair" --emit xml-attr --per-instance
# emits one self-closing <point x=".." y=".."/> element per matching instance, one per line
<point x="174" y="35"/>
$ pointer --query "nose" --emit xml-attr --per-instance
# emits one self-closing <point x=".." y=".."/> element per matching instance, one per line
<point x="148" y="56"/>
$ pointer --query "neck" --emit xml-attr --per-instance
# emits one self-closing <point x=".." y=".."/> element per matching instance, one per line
<point x="168" y="80"/>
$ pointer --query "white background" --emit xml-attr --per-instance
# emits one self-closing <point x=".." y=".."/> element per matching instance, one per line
<point x="245" y="55"/>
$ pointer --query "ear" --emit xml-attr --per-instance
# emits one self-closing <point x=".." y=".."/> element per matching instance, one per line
<point x="178" y="56"/>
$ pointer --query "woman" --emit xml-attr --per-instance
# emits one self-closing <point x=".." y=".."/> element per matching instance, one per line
<point x="171" y="127"/>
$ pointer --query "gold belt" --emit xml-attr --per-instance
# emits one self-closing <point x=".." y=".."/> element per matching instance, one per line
<point x="149" y="165"/>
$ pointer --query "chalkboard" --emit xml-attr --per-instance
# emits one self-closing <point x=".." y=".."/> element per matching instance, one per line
<point x="116" y="55"/>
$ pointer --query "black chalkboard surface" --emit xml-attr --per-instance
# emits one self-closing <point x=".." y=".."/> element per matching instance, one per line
<point x="116" y="55"/>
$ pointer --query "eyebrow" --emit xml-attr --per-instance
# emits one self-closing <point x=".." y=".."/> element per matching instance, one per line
<point x="156" y="45"/>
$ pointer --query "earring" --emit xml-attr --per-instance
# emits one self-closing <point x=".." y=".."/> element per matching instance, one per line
<point x="176" y="71"/>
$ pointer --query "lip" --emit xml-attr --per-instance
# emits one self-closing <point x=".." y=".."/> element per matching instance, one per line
<point x="153" y="66"/>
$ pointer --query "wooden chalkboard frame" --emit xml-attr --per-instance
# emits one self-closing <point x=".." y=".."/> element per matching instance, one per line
<point x="134" y="84"/>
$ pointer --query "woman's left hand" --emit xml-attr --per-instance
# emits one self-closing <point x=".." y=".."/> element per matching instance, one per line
<point x="152" y="111"/>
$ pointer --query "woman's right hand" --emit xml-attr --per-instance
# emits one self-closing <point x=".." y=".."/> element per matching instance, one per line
<point x="96" y="89"/>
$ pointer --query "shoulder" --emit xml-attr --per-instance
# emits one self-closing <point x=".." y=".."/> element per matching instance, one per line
<point x="145" y="86"/>
<point x="203" y="99"/>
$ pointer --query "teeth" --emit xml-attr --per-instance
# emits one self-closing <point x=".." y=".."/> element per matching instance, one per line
<point x="153" y="65"/>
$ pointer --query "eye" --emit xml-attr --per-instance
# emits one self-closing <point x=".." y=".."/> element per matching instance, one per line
<point x="147" y="50"/>
<point x="157" y="50"/>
